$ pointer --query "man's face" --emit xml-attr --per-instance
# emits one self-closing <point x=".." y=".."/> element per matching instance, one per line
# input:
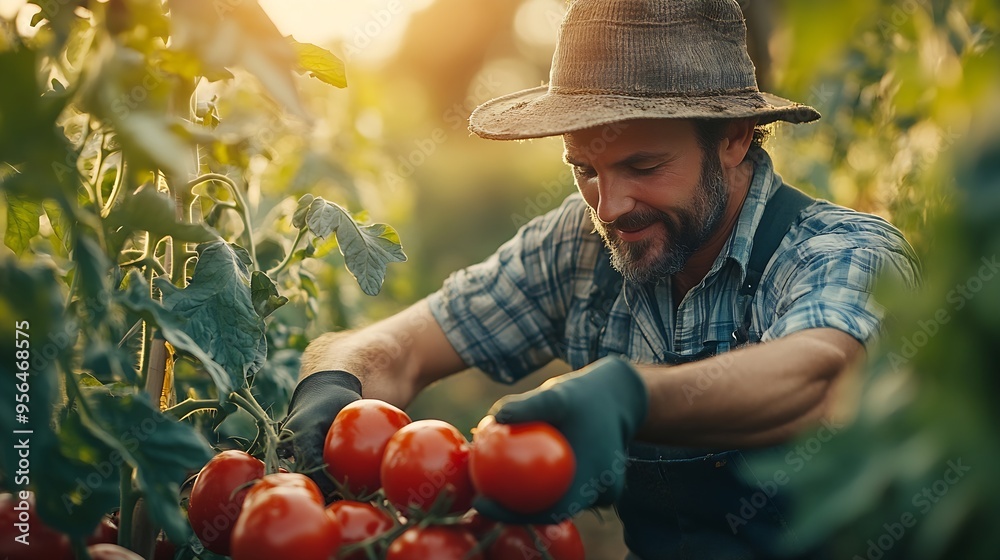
<point x="653" y="197"/>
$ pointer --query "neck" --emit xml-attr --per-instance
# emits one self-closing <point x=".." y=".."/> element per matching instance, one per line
<point x="697" y="266"/>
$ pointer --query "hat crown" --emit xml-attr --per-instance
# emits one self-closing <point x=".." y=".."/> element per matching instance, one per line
<point x="652" y="48"/>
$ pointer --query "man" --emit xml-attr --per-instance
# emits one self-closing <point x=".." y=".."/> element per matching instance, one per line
<point x="705" y="323"/>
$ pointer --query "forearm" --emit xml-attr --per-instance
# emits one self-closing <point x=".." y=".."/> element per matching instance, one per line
<point x="759" y="395"/>
<point x="394" y="358"/>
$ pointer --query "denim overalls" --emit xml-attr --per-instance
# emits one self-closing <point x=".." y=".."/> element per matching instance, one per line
<point x="684" y="503"/>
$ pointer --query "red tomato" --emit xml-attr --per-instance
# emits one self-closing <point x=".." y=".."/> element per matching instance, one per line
<point x="356" y="442"/>
<point x="19" y="520"/>
<point x="440" y="542"/>
<point x="275" y="480"/>
<point x="107" y="551"/>
<point x="106" y="532"/>
<point x="359" y="521"/>
<point x="285" y="522"/>
<point x="424" y="459"/>
<point x="165" y="550"/>
<point x="562" y="542"/>
<point x="214" y="506"/>
<point x="526" y="468"/>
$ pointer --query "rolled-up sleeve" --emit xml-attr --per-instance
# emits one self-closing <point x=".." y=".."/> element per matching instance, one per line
<point x="834" y="284"/>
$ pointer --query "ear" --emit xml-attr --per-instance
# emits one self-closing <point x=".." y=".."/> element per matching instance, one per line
<point x="736" y="141"/>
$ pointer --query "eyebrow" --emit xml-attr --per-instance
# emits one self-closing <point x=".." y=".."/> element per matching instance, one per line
<point x="630" y="160"/>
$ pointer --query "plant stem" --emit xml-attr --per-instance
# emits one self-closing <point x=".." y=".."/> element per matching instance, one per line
<point x="188" y="407"/>
<point x="241" y="206"/>
<point x="288" y="257"/>
<point x="246" y="400"/>
<point x="115" y="189"/>
<point x="128" y="499"/>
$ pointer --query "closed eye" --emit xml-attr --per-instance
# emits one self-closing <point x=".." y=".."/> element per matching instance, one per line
<point x="644" y="170"/>
<point x="584" y="171"/>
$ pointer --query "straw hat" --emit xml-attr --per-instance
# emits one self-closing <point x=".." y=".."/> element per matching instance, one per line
<point x="629" y="59"/>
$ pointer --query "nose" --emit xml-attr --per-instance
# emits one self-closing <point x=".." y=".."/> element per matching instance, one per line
<point x="614" y="199"/>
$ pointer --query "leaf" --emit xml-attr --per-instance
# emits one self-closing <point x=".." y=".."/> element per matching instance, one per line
<point x="81" y="479"/>
<point x="238" y="33"/>
<point x="301" y="209"/>
<point x="161" y="450"/>
<point x="265" y="294"/>
<point x="92" y="267"/>
<point x="57" y="219"/>
<point x="136" y="299"/>
<point x="153" y="211"/>
<point x="216" y="309"/>
<point x="22" y="223"/>
<point x="320" y="63"/>
<point x="367" y="250"/>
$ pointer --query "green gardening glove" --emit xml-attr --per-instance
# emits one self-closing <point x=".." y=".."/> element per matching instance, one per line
<point x="598" y="409"/>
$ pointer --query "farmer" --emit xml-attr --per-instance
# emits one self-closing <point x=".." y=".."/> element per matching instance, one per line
<point x="709" y="310"/>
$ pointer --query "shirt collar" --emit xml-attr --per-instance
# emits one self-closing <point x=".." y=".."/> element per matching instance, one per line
<point x="762" y="185"/>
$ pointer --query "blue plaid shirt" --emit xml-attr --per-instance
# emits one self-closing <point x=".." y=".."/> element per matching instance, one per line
<point x="549" y="293"/>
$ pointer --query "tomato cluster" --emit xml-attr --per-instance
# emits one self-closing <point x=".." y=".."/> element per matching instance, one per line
<point x="404" y="491"/>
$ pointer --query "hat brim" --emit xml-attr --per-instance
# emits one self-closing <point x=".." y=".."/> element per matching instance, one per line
<point x="538" y="112"/>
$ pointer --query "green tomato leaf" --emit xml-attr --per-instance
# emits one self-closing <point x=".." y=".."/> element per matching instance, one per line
<point x="301" y="209"/>
<point x="60" y="225"/>
<point x="265" y="294"/>
<point x="81" y="479"/>
<point x="136" y="299"/>
<point x="217" y="310"/>
<point x="161" y="450"/>
<point x="320" y="63"/>
<point x="367" y="250"/>
<point x="22" y="223"/>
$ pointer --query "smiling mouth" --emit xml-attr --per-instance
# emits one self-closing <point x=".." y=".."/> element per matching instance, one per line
<point x="630" y="235"/>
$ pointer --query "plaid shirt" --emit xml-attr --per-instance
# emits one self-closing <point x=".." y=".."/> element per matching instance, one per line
<point x="550" y="293"/>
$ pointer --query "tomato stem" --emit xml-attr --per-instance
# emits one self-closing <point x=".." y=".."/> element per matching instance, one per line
<point x="188" y="407"/>
<point x="128" y="500"/>
<point x="245" y="399"/>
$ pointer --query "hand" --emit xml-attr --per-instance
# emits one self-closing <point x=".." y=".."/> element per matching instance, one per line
<point x="315" y="403"/>
<point x="598" y="409"/>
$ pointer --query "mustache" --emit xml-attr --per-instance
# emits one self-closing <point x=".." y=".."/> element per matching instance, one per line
<point x="639" y="219"/>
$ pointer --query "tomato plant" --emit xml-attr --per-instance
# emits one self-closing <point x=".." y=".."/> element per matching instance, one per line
<point x="438" y="542"/>
<point x="359" y="522"/>
<point x="356" y="443"/>
<point x="218" y="495"/>
<point x="143" y="262"/>
<point x="425" y="463"/>
<point x="285" y="522"/>
<point x="526" y="468"/>
<point x="560" y="542"/>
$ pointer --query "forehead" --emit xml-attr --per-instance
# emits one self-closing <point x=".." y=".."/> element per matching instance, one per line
<point x="630" y="136"/>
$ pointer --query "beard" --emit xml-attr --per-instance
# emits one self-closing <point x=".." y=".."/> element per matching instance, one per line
<point x="656" y="257"/>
